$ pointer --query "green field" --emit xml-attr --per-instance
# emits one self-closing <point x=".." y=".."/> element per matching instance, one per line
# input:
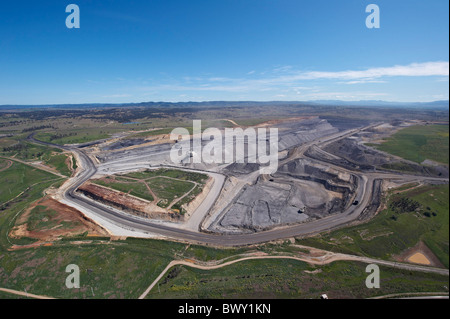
<point x="174" y="173"/>
<point x="418" y="143"/>
<point x="58" y="161"/>
<point x="125" y="268"/>
<point x="408" y="219"/>
<point x="18" y="148"/>
<point x="168" y="189"/>
<point x="21" y="149"/>
<point x="20" y="177"/>
<point x="72" y="136"/>
<point x="137" y="189"/>
<point x="289" y="279"/>
<point x="119" y="269"/>
<point x="166" y="184"/>
<point x="43" y="218"/>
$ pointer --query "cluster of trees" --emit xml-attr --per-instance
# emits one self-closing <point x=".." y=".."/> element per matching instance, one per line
<point x="406" y="205"/>
<point x="122" y="115"/>
<point x="61" y="135"/>
<point x="429" y="213"/>
<point x="36" y="128"/>
<point x="15" y="148"/>
<point x="11" y="123"/>
<point x="23" y="149"/>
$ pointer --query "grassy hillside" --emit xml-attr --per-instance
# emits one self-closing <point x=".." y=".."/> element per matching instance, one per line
<point x="125" y="268"/>
<point x="289" y="279"/>
<point x="421" y="214"/>
<point x="418" y="143"/>
<point x="18" y="178"/>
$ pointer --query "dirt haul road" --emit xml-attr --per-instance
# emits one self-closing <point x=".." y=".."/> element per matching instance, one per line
<point x="140" y="227"/>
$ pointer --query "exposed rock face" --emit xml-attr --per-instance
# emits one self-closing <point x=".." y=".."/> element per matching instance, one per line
<point x="356" y="153"/>
<point x="300" y="191"/>
<point x="303" y="132"/>
<point x="128" y="203"/>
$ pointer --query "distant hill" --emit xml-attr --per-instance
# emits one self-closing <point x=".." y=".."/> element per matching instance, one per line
<point x="439" y="105"/>
<point x="434" y="104"/>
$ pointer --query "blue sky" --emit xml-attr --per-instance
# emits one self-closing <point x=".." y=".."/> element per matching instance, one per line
<point x="201" y="50"/>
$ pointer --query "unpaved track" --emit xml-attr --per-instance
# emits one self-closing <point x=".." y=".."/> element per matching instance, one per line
<point x="24" y="294"/>
<point x="326" y="258"/>
<point x="140" y="226"/>
<point x="35" y="165"/>
<point x="8" y="165"/>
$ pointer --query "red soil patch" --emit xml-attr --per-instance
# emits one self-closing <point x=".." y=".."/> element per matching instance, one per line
<point x="422" y="249"/>
<point x="128" y="203"/>
<point x="79" y="223"/>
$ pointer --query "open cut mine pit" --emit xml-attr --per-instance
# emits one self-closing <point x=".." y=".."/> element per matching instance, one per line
<point x="300" y="191"/>
<point x="304" y="188"/>
<point x="325" y="176"/>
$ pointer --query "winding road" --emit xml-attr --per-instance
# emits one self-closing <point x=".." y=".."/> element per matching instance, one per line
<point x="139" y="225"/>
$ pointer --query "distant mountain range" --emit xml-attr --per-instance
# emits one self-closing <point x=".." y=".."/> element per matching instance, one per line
<point x="444" y="104"/>
<point x="434" y="104"/>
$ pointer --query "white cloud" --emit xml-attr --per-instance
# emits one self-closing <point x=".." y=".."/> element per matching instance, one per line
<point x="410" y="70"/>
<point x="363" y="81"/>
<point x="414" y="69"/>
<point x="284" y="68"/>
<point x="291" y="83"/>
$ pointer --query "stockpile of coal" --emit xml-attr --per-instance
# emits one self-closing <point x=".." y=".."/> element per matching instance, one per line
<point x="298" y="192"/>
<point x="261" y="207"/>
<point x="352" y="151"/>
<point x="298" y="133"/>
<point x="124" y="143"/>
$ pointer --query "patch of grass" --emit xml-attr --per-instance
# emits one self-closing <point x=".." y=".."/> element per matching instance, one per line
<point x="3" y="163"/>
<point x="284" y="278"/>
<point x="6" y="142"/>
<point x="168" y="189"/>
<point x="174" y="173"/>
<point x="400" y="167"/>
<point x="18" y="178"/>
<point x="27" y="151"/>
<point x="74" y="163"/>
<point x="418" y="143"/>
<point x="137" y="189"/>
<point x="167" y="185"/>
<point x="41" y="218"/>
<point x="203" y="253"/>
<point x="58" y="161"/>
<point x="6" y="295"/>
<point x="406" y="186"/>
<point x="125" y="268"/>
<point x="251" y="122"/>
<point x="397" y="228"/>
<point x="156" y="132"/>
<point x="73" y="136"/>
